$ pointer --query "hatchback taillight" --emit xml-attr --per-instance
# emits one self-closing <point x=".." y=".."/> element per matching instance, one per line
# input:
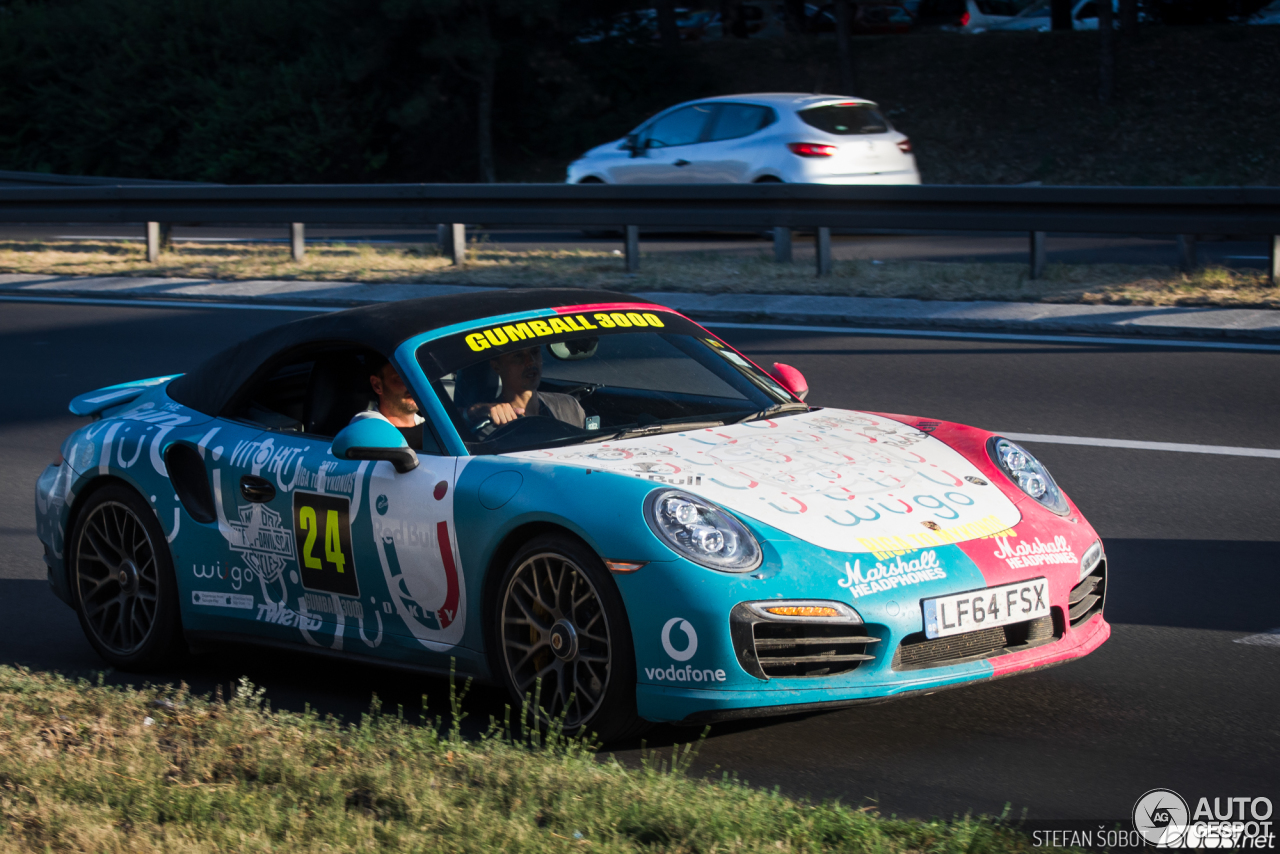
<point x="904" y="145"/>
<point x="964" y="19"/>
<point x="811" y="149"/>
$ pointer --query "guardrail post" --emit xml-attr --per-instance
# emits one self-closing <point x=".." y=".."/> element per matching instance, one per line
<point x="1038" y="255"/>
<point x="453" y="241"/>
<point x="633" y="248"/>
<point x="782" y="244"/>
<point x="298" y="240"/>
<point x="822" y="247"/>
<point x="1275" y="259"/>
<point x="1187" y="252"/>
<point x="159" y="236"/>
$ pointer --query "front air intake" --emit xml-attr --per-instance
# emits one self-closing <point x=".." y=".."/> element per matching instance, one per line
<point x="917" y="651"/>
<point x="774" y="647"/>
<point x="1088" y="597"/>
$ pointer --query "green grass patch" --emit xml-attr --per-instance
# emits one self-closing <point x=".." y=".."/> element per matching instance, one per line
<point x="752" y="272"/>
<point x="88" y="767"/>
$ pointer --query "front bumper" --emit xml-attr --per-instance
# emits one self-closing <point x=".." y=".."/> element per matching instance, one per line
<point x="791" y="696"/>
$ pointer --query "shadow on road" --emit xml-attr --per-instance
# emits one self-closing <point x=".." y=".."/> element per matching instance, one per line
<point x="1195" y="584"/>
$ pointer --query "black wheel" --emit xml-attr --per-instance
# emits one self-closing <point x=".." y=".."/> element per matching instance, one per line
<point x="560" y="620"/>
<point x="767" y="179"/>
<point x="122" y="581"/>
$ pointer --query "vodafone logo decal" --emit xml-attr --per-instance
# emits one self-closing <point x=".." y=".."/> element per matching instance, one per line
<point x="691" y="636"/>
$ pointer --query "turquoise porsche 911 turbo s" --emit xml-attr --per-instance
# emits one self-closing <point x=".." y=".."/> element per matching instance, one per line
<point x="582" y="496"/>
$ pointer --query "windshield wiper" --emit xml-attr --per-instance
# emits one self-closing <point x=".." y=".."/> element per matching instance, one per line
<point x="778" y="409"/>
<point x="655" y="430"/>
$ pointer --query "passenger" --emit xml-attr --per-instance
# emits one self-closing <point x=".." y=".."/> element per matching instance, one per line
<point x="394" y="404"/>
<point x="521" y="371"/>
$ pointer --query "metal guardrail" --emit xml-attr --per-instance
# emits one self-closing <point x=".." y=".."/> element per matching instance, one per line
<point x="781" y="207"/>
<point x="50" y="179"/>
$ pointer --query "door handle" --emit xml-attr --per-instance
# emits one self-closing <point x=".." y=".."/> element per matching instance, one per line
<point x="681" y="163"/>
<point x="256" y="489"/>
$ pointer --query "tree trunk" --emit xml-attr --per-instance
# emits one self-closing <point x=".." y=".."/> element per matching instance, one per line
<point x="1129" y="20"/>
<point x="1060" y="14"/>
<point x="1107" y="44"/>
<point x="668" y="29"/>
<point x="484" y="124"/>
<point x="844" y="47"/>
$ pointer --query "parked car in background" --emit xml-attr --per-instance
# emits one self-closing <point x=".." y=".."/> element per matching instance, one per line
<point x="868" y="18"/>
<point x="1038" y="17"/>
<point x="968" y="14"/>
<point x="766" y="137"/>
<point x="1267" y="15"/>
<point x="749" y="19"/>
<point x="641" y="25"/>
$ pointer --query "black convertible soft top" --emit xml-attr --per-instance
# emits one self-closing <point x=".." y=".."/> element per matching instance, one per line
<point x="380" y="327"/>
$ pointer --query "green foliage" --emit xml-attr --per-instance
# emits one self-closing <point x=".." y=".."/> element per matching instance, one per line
<point x="218" y="90"/>
<point x="289" y="91"/>
<point x="107" y="769"/>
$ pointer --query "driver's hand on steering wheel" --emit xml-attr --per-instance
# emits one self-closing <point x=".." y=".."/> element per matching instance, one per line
<point x="498" y="413"/>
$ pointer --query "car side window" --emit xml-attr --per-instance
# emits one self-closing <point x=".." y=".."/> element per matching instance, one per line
<point x="314" y="391"/>
<point x="276" y="401"/>
<point x="739" y="120"/>
<point x="682" y="127"/>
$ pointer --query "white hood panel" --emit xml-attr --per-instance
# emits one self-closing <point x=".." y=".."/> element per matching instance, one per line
<point x="846" y="481"/>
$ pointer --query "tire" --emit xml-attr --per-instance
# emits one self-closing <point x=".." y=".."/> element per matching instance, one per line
<point x="122" y="581"/>
<point x="768" y="179"/>
<point x="558" y="616"/>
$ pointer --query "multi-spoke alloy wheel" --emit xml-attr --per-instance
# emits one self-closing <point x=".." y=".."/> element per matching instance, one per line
<point x="564" y="638"/>
<point x="122" y="579"/>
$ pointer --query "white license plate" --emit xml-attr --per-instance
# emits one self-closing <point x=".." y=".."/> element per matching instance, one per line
<point x="985" y="609"/>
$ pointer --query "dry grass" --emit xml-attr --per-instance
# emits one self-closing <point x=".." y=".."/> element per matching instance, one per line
<point x="92" y="768"/>
<point x="695" y="272"/>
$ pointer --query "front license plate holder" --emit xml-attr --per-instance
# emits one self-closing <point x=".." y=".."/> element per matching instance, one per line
<point x="986" y="608"/>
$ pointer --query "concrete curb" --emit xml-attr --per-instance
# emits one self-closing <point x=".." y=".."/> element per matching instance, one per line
<point x="1115" y="320"/>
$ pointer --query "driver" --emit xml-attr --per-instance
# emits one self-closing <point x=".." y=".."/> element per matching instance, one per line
<point x="521" y="371"/>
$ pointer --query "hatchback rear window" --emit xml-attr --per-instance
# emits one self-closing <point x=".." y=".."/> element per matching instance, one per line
<point x="844" y="119"/>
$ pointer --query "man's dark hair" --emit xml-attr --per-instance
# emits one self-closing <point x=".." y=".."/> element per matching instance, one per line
<point x="375" y="362"/>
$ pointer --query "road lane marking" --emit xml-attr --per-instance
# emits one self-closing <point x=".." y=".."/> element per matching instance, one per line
<point x="1271" y="638"/>
<point x="1000" y="336"/>
<point x="1180" y="447"/>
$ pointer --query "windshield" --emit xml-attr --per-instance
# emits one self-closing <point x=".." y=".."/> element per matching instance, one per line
<point x="591" y="376"/>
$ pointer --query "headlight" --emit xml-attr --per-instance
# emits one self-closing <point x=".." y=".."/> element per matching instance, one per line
<point x="1028" y="473"/>
<point x="701" y="531"/>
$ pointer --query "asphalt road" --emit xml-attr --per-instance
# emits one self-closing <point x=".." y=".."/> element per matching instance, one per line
<point x="1193" y="542"/>
<point x="1238" y="252"/>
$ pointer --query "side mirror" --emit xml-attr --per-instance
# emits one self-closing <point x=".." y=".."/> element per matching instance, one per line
<point x="374" y="439"/>
<point x="633" y="145"/>
<point x="790" y="379"/>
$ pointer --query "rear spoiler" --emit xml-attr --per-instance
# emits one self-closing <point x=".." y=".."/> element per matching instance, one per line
<point x="94" y="403"/>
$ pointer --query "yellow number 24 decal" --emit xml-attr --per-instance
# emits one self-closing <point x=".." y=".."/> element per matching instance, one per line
<point x="332" y="539"/>
<point x="322" y="530"/>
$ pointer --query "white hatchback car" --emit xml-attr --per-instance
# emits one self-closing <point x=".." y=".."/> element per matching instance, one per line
<point x="742" y="139"/>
